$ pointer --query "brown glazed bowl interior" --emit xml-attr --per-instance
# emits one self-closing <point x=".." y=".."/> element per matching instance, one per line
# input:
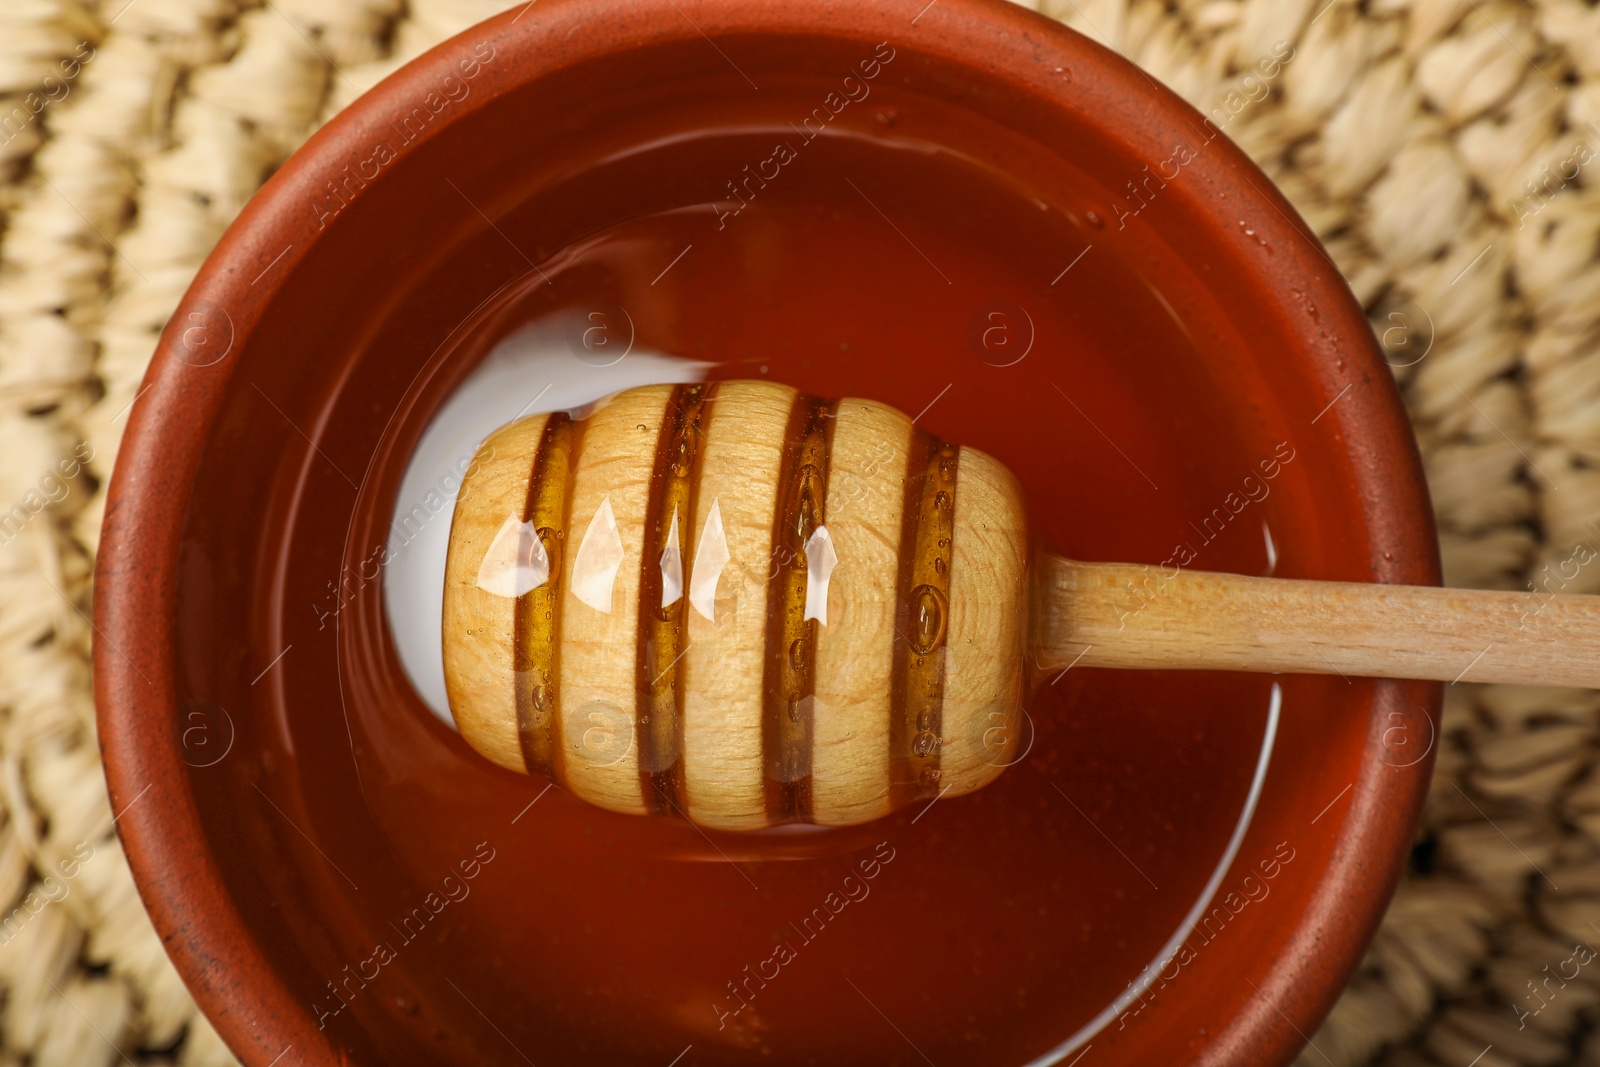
<point x="962" y="209"/>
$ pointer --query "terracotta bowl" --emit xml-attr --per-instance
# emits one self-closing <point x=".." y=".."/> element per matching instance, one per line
<point x="962" y="209"/>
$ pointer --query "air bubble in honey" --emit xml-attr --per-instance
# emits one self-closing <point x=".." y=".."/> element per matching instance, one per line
<point x="927" y="619"/>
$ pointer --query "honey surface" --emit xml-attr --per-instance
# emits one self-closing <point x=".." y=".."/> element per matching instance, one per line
<point x="984" y="929"/>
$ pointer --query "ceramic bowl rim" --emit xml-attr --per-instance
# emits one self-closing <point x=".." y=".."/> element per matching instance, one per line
<point x="183" y="887"/>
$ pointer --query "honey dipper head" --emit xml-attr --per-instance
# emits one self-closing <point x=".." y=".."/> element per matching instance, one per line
<point x="738" y="603"/>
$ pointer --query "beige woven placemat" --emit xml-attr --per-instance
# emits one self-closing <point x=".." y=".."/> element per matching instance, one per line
<point x="1445" y="150"/>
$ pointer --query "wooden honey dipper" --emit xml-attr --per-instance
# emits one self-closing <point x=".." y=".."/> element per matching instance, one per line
<point x="749" y="606"/>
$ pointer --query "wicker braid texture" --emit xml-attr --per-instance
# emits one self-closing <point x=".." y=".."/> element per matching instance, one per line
<point x="1446" y="150"/>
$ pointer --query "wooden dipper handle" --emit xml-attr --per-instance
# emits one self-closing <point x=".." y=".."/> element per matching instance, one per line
<point x="1127" y="615"/>
<point x="748" y="606"/>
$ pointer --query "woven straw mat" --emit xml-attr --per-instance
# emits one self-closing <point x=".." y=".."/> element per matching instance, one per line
<point x="1442" y="148"/>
